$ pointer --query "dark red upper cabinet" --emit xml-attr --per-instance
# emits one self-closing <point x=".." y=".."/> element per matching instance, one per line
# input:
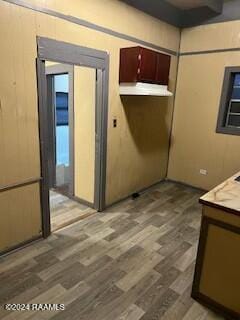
<point x="163" y="67"/>
<point x="139" y="64"/>
<point x="147" y="65"/>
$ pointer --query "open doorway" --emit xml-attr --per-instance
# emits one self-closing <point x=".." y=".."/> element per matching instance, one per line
<point x="65" y="207"/>
<point x="61" y="93"/>
<point x="88" y="137"/>
<point x="60" y="120"/>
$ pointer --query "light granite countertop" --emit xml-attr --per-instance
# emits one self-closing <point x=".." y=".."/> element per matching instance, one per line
<point x="226" y="195"/>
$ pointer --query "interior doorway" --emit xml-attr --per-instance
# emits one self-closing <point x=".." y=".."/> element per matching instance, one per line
<point x="72" y="91"/>
<point x="61" y="126"/>
<point x="65" y="207"/>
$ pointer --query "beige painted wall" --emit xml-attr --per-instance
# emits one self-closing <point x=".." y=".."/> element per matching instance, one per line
<point x="84" y="132"/>
<point x="130" y="166"/>
<point x="211" y="37"/>
<point x="20" y="216"/>
<point x="117" y="16"/>
<point x="195" y="144"/>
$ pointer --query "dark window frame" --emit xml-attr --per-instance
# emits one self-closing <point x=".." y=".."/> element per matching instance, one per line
<point x="224" y="102"/>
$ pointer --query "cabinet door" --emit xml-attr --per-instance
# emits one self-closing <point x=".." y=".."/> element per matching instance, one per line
<point x="129" y="64"/>
<point x="148" y="64"/>
<point x="162" y="69"/>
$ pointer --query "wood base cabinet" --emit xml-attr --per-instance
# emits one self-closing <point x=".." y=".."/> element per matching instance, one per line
<point x="217" y="274"/>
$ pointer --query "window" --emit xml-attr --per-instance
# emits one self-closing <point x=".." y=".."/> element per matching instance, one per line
<point x="61" y="92"/>
<point x="229" y="111"/>
<point x="62" y="108"/>
<point x="61" y="89"/>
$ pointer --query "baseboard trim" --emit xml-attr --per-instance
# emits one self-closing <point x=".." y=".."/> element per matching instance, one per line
<point x="186" y="185"/>
<point x="82" y="201"/>
<point x="20" y="246"/>
<point x="141" y="191"/>
<point x="77" y="199"/>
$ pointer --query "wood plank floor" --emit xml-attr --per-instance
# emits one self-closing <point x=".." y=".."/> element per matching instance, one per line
<point x="134" y="261"/>
<point x="65" y="211"/>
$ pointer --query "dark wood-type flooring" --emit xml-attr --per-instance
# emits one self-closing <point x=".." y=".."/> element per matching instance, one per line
<point x="134" y="261"/>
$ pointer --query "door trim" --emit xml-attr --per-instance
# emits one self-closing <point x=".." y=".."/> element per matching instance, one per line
<point x="52" y="136"/>
<point x="43" y="136"/>
<point x="62" y="52"/>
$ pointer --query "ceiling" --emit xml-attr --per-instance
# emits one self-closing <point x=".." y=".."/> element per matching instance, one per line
<point x="180" y="13"/>
<point x="186" y="4"/>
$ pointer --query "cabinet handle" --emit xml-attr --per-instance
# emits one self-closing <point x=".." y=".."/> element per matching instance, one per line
<point x="139" y="57"/>
<point x="138" y="71"/>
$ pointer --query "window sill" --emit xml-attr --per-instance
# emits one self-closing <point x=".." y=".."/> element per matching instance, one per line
<point x="231" y="131"/>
